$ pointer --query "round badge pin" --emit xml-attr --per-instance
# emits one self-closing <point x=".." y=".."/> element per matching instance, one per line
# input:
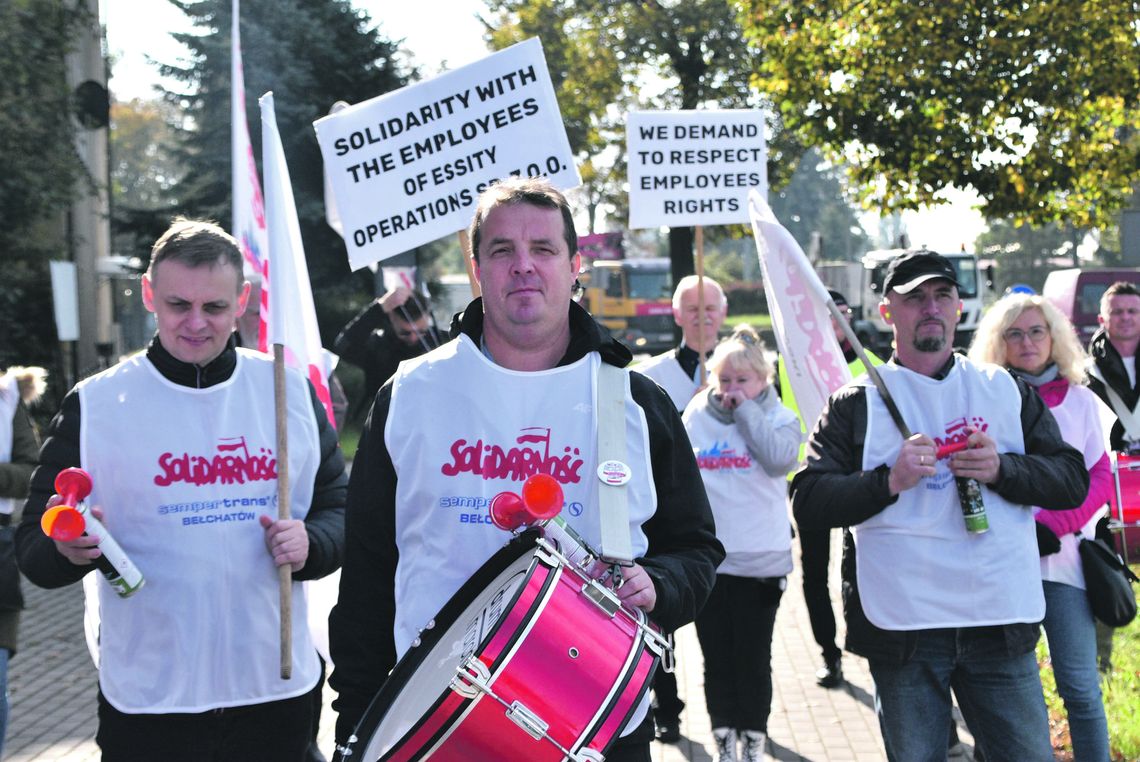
<point x="614" y="472"/>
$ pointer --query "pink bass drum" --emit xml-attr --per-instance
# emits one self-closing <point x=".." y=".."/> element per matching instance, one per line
<point x="529" y="660"/>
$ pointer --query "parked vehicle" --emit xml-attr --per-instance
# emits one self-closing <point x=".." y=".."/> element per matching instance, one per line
<point x="634" y="299"/>
<point x="1076" y="291"/>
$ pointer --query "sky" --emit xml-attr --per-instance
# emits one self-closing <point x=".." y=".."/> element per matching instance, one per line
<point x="136" y="30"/>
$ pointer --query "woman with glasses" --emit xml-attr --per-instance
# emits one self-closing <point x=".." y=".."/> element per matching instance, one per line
<point x="1038" y="345"/>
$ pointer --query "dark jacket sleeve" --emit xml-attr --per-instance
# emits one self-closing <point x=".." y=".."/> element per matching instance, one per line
<point x="361" y="639"/>
<point x="16" y="474"/>
<point x="683" y="549"/>
<point x="40" y="562"/>
<point x="353" y="343"/>
<point x="831" y="489"/>
<point x="325" y="520"/>
<point x="1050" y="473"/>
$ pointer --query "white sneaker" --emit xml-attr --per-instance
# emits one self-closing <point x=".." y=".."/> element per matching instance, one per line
<point x="752" y="743"/>
<point x="725" y="744"/>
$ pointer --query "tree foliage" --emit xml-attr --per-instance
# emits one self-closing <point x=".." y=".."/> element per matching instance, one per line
<point x="310" y="53"/>
<point x="1030" y="103"/>
<point x="40" y="170"/>
<point x="651" y="54"/>
<point x="1026" y="253"/>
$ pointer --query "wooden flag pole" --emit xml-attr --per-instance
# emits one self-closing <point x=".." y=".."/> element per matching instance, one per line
<point x="285" y="571"/>
<point x="701" y="350"/>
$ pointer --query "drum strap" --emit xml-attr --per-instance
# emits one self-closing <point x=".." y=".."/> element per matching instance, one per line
<point x="1128" y="418"/>
<point x="612" y="498"/>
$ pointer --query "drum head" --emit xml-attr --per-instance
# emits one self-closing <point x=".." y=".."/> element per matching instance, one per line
<point x="422" y="678"/>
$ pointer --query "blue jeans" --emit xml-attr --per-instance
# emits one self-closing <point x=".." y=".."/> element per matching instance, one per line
<point x="999" y="694"/>
<point x="1071" y="632"/>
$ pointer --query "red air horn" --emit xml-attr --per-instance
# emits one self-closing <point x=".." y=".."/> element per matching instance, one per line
<point x="70" y="519"/>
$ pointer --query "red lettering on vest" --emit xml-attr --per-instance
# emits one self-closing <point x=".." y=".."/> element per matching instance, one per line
<point x="492" y="461"/>
<point x="225" y="467"/>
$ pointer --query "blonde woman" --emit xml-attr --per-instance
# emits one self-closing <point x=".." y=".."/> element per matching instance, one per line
<point x="1037" y="344"/>
<point x="746" y="441"/>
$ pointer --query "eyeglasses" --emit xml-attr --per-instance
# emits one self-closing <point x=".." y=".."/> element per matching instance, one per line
<point x="1034" y="334"/>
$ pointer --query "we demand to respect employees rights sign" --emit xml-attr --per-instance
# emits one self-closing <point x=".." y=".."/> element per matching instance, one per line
<point x="406" y="167"/>
<point x="694" y="167"/>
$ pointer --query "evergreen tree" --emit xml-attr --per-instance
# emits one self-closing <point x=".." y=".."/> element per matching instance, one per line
<point x="310" y="53"/>
<point x="39" y="170"/>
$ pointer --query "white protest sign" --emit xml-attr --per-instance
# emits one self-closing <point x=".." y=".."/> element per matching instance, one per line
<point x="407" y="167"/>
<point x="694" y="167"/>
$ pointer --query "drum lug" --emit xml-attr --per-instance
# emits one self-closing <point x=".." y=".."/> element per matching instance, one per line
<point x="602" y="597"/>
<point x="587" y="755"/>
<point x="530" y="722"/>
<point x="472" y="678"/>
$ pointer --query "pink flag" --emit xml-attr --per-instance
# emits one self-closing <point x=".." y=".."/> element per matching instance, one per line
<point x="292" y="316"/>
<point x="248" y="204"/>
<point x="797" y="302"/>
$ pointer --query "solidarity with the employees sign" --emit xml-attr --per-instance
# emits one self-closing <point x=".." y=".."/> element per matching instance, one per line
<point x="406" y="167"/>
<point x="694" y="167"/>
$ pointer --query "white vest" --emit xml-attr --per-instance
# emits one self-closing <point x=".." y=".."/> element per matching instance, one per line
<point x="1078" y="416"/>
<point x="9" y="399"/>
<point x="918" y="567"/>
<point x="748" y="505"/>
<point x="462" y="429"/>
<point x="183" y="475"/>
<point x="667" y="372"/>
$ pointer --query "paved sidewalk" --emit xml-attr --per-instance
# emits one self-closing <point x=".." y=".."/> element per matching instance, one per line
<point x="52" y="691"/>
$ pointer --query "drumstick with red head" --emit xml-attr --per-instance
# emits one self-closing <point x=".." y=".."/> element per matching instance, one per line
<point x="70" y="519"/>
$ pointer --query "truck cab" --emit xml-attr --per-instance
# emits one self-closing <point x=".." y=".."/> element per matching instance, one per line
<point x="634" y="299"/>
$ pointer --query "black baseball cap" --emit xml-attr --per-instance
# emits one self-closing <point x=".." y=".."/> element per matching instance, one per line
<point x="907" y="272"/>
<point x="837" y="297"/>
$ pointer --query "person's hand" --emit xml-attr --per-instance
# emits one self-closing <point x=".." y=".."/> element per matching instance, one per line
<point x="979" y="461"/>
<point x="84" y="549"/>
<point x="732" y="400"/>
<point x="917" y="459"/>
<point x="1048" y="542"/>
<point x="637" y="588"/>
<point x="392" y="300"/>
<point x="287" y="541"/>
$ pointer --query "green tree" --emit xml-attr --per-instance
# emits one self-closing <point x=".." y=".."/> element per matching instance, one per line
<point x="1030" y="103"/>
<point x="1026" y="253"/>
<point x="144" y="172"/>
<point x="310" y="53"/>
<point x="39" y="169"/>
<point x="695" y="50"/>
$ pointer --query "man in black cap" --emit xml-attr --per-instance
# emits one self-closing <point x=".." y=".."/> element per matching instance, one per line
<point x="930" y="604"/>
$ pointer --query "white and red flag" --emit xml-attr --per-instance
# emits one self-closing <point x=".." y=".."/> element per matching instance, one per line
<point x="248" y="204"/>
<point x="797" y="302"/>
<point x="292" y="316"/>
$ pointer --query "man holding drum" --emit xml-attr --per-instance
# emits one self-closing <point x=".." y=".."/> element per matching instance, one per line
<point x="928" y="603"/>
<point x="511" y="395"/>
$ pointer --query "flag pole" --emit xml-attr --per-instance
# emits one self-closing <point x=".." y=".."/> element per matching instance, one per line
<point x="284" y="571"/>
<point x="702" y="350"/>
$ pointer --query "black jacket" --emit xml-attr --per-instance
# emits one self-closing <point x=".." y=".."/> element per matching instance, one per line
<point x="369" y="343"/>
<point x="683" y="550"/>
<point x="45" y="566"/>
<point x="832" y="490"/>
<point x="1111" y="366"/>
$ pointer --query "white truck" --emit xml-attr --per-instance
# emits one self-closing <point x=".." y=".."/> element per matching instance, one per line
<point x="862" y="284"/>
